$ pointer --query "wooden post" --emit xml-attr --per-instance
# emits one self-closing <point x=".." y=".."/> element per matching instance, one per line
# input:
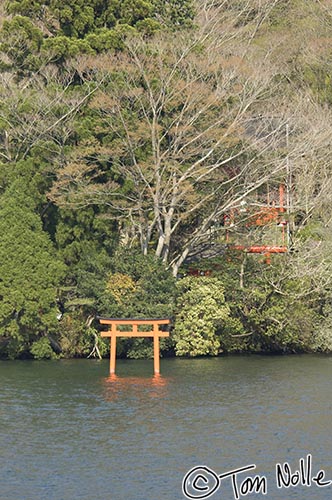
<point x="156" y="361"/>
<point x="112" y="354"/>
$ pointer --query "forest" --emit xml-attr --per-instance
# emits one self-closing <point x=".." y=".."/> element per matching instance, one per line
<point x="166" y="158"/>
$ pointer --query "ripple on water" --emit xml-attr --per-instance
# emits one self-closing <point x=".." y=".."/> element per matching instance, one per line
<point x="70" y="432"/>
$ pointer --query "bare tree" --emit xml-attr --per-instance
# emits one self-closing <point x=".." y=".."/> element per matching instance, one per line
<point x="197" y="126"/>
<point x="37" y="110"/>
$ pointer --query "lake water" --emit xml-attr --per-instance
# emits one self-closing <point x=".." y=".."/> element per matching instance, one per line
<point x="69" y="432"/>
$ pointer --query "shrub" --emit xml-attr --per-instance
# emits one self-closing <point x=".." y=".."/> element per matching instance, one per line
<point x="201" y="309"/>
<point x="41" y="349"/>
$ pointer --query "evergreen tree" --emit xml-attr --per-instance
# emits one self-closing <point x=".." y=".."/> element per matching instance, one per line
<point x="29" y="277"/>
<point x="44" y="30"/>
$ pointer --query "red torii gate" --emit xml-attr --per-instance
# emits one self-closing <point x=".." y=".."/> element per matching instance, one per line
<point x="113" y="332"/>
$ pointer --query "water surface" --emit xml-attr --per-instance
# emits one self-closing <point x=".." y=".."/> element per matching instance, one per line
<point x="69" y="432"/>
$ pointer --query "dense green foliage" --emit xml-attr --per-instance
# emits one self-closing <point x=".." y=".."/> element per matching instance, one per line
<point x="141" y="138"/>
<point x="56" y="29"/>
<point x="30" y="275"/>
<point x="201" y="309"/>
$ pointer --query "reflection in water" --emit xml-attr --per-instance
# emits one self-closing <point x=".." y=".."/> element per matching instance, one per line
<point x="143" y="387"/>
<point x="67" y="432"/>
